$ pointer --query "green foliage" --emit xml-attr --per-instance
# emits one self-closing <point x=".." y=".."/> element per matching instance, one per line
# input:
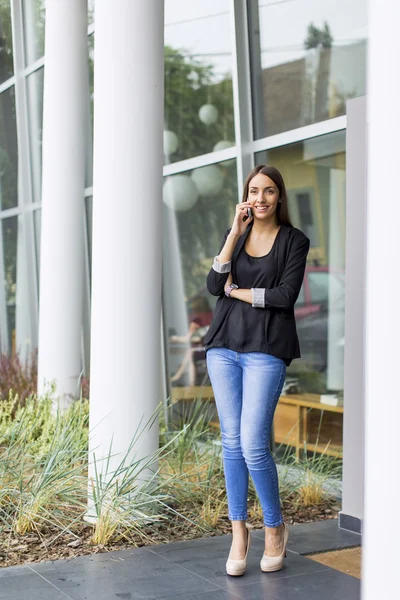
<point x="43" y="464"/>
<point x="318" y="37"/>
<point x="44" y="470"/>
<point x="133" y="496"/>
<point x="38" y="424"/>
<point x="311" y="479"/>
<point x="188" y="85"/>
<point x="195" y="464"/>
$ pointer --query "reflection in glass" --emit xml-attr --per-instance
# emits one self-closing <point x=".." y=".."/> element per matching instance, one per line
<point x="8" y="151"/>
<point x="37" y="224"/>
<point x="9" y="237"/>
<point x="35" y="107"/>
<point x="15" y="296"/>
<point x="89" y="221"/>
<point x="308" y="59"/>
<point x="34" y="26"/>
<point x="91" y="9"/>
<point x="198" y="79"/>
<point x="89" y="148"/>
<point x="198" y="208"/>
<point x="314" y="173"/>
<point x="24" y="337"/>
<point x="6" y="48"/>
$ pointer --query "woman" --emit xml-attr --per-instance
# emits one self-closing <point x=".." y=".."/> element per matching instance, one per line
<point x="251" y="340"/>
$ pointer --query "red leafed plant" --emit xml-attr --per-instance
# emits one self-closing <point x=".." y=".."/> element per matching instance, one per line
<point x="85" y="387"/>
<point x="17" y="376"/>
<point x="21" y="377"/>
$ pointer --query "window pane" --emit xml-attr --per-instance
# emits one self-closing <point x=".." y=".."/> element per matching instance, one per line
<point x="9" y="234"/>
<point x="314" y="174"/>
<point x="6" y="49"/>
<point x="308" y="58"/>
<point x="89" y="149"/>
<point x="198" y="208"/>
<point x="37" y="223"/>
<point x="34" y="21"/>
<point x="35" y="105"/>
<point x="319" y="286"/>
<point x="91" y="8"/>
<point x="8" y="151"/>
<point x="198" y="78"/>
<point x="89" y="227"/>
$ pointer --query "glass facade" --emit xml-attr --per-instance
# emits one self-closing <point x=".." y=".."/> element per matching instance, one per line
<point x="304" y="72"/>
<point x="197" y="205"/>
<point x="89" y="153"/>
<point x="9" y="242"/>
<point x="37" y="216"/>
<point x="314" y="173"/>
<point x="8" y="151"/>
<point x="265" y="67"/>
<point x="35" y="107"/>
<point x="6" y="42"/>
<point x="33" y="24"/>
<point x="198" y="79"/>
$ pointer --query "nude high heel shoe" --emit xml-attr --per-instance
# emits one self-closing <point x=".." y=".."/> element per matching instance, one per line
<point x="238" y="567"/>
<point x="269" y="564"/>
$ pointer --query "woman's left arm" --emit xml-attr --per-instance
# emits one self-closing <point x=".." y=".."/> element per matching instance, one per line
<point x="286" y="293"/>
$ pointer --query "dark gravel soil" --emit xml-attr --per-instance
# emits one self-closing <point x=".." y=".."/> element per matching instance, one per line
<point x="33" y="547"/>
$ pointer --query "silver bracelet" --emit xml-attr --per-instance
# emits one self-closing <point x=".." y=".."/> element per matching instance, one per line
<point x="231" y="287"/>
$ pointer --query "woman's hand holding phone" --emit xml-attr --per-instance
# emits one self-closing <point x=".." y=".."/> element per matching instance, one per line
<point x="242" y="218"/>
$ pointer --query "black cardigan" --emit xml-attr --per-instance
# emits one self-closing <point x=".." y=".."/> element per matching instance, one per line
<point x="280" y="325"/>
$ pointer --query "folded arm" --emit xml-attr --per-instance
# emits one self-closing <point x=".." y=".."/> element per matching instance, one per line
<point x="285" y="294"/>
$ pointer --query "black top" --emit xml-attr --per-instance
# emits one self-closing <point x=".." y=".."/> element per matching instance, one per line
<point x="236" y="324"/>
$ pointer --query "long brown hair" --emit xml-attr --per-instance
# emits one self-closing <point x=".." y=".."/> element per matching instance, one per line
<point x="282" y="210"/>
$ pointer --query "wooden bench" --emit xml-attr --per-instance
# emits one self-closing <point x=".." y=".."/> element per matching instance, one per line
<point x="301" y="420"/>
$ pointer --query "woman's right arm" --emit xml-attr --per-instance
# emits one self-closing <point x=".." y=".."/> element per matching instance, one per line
<point x="219" y="272"/>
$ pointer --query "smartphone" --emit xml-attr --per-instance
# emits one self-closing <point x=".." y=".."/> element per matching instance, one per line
<point x="249" y="214"/>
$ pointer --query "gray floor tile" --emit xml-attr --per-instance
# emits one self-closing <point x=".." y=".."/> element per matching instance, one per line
<point x="321" y="536"/>
<point x="14" y="572"/>
<point x="20" y="583"/>
<point x="323" y="585"/>
<point x="209" y="562"/>
<point x="132" y="574"/>
<point x="166" y="548"/>
<point x="192" y="570"/>
<point x="215" y="595"/>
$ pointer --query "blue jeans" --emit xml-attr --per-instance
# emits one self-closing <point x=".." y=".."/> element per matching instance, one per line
<point x="247" y="386"/>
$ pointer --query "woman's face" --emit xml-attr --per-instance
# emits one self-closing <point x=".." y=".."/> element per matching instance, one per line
<point x="263" y="196"/>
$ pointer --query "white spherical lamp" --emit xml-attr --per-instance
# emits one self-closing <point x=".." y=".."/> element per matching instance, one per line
<point x="223" y="145"/>
<point x="209" y="180"/>
<point x="171" y="142"/>
<point x="180" y="193"/>
<point x="208" y="114"/>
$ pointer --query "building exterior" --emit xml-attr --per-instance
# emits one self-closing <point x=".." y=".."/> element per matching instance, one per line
<point x="245" y="83"/>
<point x="91" y="236"/>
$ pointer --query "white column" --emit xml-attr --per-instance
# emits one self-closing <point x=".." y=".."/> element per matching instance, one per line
<point x="62" y="257"/>
<point x="127" y="225"/>
<point x="336" y="261"/>
<point x="382" y="410"/>
<point x="352" y="513"/>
